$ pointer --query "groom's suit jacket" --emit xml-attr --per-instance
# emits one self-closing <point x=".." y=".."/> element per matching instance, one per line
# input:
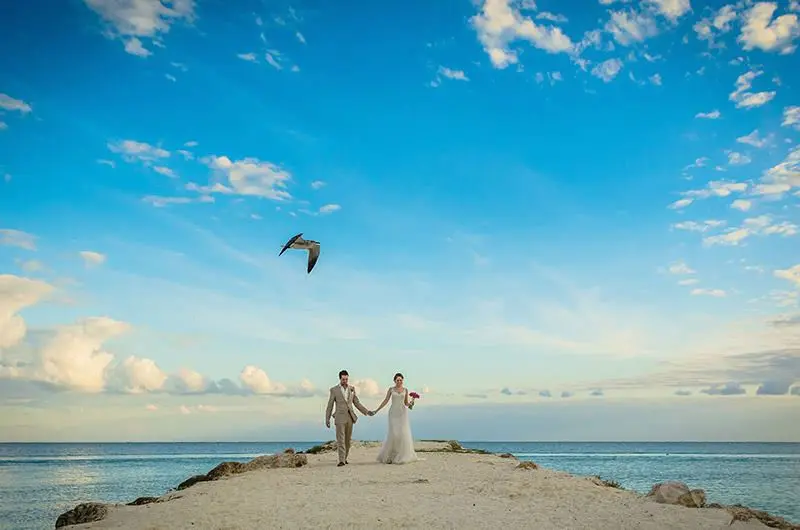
<point x="344" y="408"/>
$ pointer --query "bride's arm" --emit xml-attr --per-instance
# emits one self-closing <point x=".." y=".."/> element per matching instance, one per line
<point x="385" y="401"/>
<point x="405" y="397"/>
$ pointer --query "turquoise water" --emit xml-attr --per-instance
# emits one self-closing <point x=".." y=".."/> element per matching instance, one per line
<point x="40" y="481"/>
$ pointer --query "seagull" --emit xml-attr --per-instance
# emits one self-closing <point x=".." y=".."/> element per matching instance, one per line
<point x="299" y="243"/>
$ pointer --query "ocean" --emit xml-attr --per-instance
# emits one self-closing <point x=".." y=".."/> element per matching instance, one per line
<point x="40" y="481"/>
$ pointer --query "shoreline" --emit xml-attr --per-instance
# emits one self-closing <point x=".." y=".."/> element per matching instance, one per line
<point x="257" y="494"/>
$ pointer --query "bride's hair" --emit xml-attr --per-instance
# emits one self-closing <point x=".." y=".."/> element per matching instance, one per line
<point x="398" y="374"/>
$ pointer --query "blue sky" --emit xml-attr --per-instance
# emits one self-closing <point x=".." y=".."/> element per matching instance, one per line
<point x="531" y="211"/>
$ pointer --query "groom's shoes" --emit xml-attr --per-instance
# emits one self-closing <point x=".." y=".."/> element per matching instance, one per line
<point x="340" y="464"/>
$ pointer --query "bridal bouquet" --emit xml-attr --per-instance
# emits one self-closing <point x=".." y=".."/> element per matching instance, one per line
<point x="413" y="396"/>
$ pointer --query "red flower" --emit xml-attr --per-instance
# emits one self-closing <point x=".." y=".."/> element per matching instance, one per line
<point x="414" y="395"/>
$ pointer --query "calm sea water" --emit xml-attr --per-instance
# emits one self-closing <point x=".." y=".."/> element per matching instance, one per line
<point x="40" y="481"/>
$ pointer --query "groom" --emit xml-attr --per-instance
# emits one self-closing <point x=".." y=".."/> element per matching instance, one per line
<point x="345" y="397"/>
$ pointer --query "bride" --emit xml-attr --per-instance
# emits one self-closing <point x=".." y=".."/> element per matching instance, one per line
<point x="398" y="448"/>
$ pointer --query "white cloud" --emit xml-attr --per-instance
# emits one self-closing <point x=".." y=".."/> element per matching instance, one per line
<point x="628" y="27"/>
<point x="317" y="184"/>
<point x="499" y="24"/>
<point x="249" y="57"/>
<point x="791" y="117"/>
<point x="17" y="238"/>
<point x="14" y="105"/>
<point x="453" y="74"/>
<point x="713" y="115"/>
<point x="368" y="388"/>
<point x="761" y="31"/>
<point x="782" y="177"/>
<point x="133" y="20"/>
<point x="792" y="274"/>
<point x="329" y="208"/>
<point x="738" y="159"/>
<point x="250" y="176"/>
<point x="717" y="293"/>
<point x="762" y="225"/>
<point x="151" y="407"/>
<point x="694" y="226"/>
<point x="689" y="281"/>
<point x="133" y="151"/>
<point x="137" y="376"/>
<point x="257" y="381"/>
<point x="709" y="28"/>
<point x="754" y="140"/>
<point x="655" y="79"/>
<point x="742" y="204"/>
<point x="17" y="293"/>
<point x="190" y="381"/>
<point x="74" y="357"/>
<point x="680" y="267"/>
<point x="671" y="9"/>
<point x="91" y="258"/>
<point x="746" y="99"/>
<point x="135" y="47"/>
<point x="715" y="188"/>
<point x="448" y="73"/>
<point x="607" y="70"/>
<point x="273" y="62"/>
<point x="163" y="170"/>
<point x="300" y="37"/>
<point x="680" y="203"/>
<point x="552" y="17"/>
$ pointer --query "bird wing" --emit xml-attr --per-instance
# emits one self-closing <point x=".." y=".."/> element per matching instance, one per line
<point x="289" y="243"/>
<point x="313" y="256"/>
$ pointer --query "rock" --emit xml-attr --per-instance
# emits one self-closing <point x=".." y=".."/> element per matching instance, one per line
<point x="508" y="455"/>
<point x="527" y="465"/>
<point x="224" y="469"/>
<point x="289" y="451"/>
<point x="276" y="461"/>
<point x="600" y="481"/>
<point x="668" y="492"/>
<point x="192" y="481"/>
<point x="693" y="499"/>
<point x="327" y="447"/>
<point x="87" y="512"/>
<point x="744" y="514"/>
<point x="454" y="446"/>
<point x="143" y="500"/>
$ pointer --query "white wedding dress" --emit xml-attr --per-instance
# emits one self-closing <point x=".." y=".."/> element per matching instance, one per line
<point x="398" y="448"/>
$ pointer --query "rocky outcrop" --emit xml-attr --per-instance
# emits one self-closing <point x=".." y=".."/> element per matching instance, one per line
<point x="744" y="514"/>
<point x="143" y="500"/>
<point x="87" y="512"/>
<point x="94" y="511"/>
<point x="527" y="465"/>
<point x="327" y="447"/>
<point x="276" y="461"/>
<point x="225" y="469"/>
<point x="191" y="481"/>
<point x="600" y="481"/>
<point x="674" y="492"/>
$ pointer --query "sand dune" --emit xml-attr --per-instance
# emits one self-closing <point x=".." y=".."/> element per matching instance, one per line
<point x="445" y="490"/>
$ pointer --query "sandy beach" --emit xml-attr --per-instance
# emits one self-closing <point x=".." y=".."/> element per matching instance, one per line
<point x="445" y="490"/>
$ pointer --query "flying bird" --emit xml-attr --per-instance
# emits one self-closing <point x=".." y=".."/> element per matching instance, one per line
<point x="297" y="242"/>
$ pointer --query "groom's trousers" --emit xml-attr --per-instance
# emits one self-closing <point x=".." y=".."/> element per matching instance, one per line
<point x="344" y="433"/>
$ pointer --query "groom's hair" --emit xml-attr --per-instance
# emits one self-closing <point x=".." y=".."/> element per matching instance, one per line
<point x="343" y="372"/>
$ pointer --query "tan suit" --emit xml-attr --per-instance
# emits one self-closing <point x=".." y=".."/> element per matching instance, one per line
<point x="344" y="417"/>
